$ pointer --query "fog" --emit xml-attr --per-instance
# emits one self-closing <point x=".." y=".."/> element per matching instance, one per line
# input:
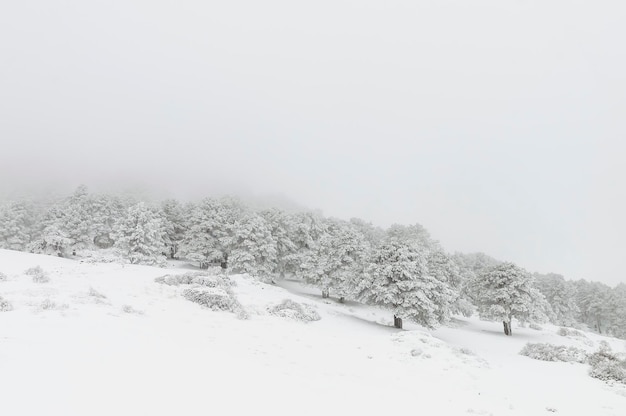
<point x="498" y="125"/>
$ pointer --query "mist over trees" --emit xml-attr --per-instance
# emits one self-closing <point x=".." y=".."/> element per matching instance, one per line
<point x="401" y="268"/>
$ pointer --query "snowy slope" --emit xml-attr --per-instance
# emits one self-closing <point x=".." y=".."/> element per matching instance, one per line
<point x="144" y="350"/>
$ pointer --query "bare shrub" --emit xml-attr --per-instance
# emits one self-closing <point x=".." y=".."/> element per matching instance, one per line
<point x="549" y="352"/>
<point x="294" y="310"/>
<point x="94" y="293"/>
<point x="47" y="304"/>
<point x="38" y="274"/>
<point x="5" y="305"/>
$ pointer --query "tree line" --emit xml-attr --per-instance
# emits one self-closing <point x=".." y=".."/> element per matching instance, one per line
<point x="401" y="268"/>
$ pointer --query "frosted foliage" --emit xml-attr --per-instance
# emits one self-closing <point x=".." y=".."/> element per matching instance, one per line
<point x="254" y="248"/>
<point x="306" y="232"/>
<point x="140" y="236"/>
<point x="398" y="278"/>
<point x="211" y="230"/>
<point x="52" y="240"/>
<point x="174" y="216"/>
<point x="280" y="226"/>
<point x="561" y="297"/>
<point x="337" y="260"/>
<point x="505" y="292"/>
<point x="16" y="226"/>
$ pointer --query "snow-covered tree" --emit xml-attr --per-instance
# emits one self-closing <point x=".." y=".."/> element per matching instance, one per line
<point x="77" y="218"/>
<point x="280" y="225"/>
<point x="505" y="292"/>
<point x="16" y="225"/>
<point x="306" y="231"/>
<point x="139" y="236"/>
<point x="106" y="210"/>
<point x="211" y="231"/>
<point x="253" y="249"/>
<point x="174" y="216"/>
<point x="397" y="277"/>
<point x="51" y="241"/>
<point x="444" y="268"/>
<point x="561" y="295"/>
<point x="337" y="260"/>
<point x="592" y="300"/>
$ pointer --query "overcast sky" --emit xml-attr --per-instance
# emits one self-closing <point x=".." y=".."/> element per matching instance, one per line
<point x="498" y="125"/>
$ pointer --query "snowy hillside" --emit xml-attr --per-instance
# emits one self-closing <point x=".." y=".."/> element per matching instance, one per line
<point x="106" y="339"/>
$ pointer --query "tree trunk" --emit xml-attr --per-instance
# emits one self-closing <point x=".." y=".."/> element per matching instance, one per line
<point x="325" y="293"/>
<point x="507" y="328"/>
<point x="342" y="299"/>
<point x="397" y="322"/>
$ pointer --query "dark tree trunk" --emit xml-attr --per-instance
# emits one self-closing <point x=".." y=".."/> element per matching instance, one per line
<point x="342" y="299"/>
<point x="507" y="328"/>
<point x="397" y="322"/>
<point x="325" y="293"/>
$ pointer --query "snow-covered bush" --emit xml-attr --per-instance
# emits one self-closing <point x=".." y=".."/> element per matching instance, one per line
<point x="47" y="304"/>
<point x="550" y="352"/>
<point x="5" y="305"/>
<point x="38" y="274"/>
<point x="534" y="326"/>
<point x="214" y="298"/>
<point x="606" y="365"/>
<point x="570" y="332"/>
<point x="195" y="278"/>
<point x="3" y="277"/>
<point x="609" y="370"/>
<point x="130" y="309"/>
<point x="217" y="299"/>
<point x="294" y="310"/>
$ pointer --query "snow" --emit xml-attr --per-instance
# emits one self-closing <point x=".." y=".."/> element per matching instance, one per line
<point x="115" y="342"/>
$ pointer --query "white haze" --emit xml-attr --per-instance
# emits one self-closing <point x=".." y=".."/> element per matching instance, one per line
<point x="498" y="125"/>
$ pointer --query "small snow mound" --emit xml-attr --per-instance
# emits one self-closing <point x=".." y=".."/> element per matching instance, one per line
<point x="294" y="310"/>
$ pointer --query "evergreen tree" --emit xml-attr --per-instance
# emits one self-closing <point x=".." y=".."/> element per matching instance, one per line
<point x="253" y="249"/>
<point x="337" y="260"/>
<point x="280" y="226"/>
<point x="139" y="236"/>
<point x="561" y="295"/>
<point x="397" y="277"/>
<point x="174" y="217"/>
<point x="505" y="292"/>
<point x="16" y="225"/>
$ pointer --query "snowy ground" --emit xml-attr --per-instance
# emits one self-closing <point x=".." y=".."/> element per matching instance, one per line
<point x="105" y="339"/>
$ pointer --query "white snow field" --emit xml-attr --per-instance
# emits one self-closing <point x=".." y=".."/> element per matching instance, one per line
<point x="106" y="339"/>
